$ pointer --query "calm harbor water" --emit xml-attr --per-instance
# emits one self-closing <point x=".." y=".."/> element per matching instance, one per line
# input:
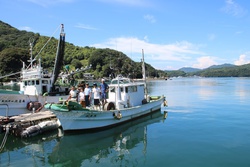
<point x="207" y="125"/>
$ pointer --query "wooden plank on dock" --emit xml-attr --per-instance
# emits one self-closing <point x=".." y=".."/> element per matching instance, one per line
<point x="34" y="116"/>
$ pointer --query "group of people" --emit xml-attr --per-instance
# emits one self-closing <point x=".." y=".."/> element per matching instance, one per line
<point x="85" y="93"/>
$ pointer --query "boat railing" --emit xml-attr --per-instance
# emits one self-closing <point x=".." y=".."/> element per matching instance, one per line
<point x="7" y="109"/>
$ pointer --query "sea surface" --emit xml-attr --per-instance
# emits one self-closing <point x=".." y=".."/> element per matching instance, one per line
<point x="207" y="124"/>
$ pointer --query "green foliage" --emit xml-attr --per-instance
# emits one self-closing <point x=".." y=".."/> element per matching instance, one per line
<point x="176" y="73"/>
<point x="236" y="71"/>
<point x="76" y="63"/>
<point x="11" y="60"/>
<point x="14" y="48"/>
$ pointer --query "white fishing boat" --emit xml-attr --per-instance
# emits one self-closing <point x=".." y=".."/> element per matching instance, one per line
<point x="127" y="100"/>
<point x="37" y="85"/>
<point x="35" y="82"/>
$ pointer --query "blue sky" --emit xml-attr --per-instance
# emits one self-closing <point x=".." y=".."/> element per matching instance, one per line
<point x="172" y="33"/>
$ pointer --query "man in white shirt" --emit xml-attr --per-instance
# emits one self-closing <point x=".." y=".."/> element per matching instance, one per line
<point x="97" y="94"/>
<point x="87" y="95"/>
<point x="72" y="94"/>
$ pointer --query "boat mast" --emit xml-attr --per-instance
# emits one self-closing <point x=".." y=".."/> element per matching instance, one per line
<point x="144" y="75"/>
<point x="31" y="41"/>
<point x="59" y="56"/>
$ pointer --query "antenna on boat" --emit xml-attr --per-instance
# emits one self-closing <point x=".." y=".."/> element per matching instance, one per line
<point x="144" y="74"/>
<point x="110" y="67"/>
<point x="31" y="41"/>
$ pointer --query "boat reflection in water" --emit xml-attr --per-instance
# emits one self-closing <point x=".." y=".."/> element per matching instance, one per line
<point x="113" y="144"/>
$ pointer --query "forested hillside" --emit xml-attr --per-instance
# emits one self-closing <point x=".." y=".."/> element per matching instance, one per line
<point x="14" y="48"/>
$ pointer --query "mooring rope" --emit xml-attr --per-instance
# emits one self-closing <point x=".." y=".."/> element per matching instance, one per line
<point x="5" y="138"/>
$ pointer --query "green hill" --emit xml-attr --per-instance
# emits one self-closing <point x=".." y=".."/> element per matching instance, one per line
<point x="14" y="48"/>
<point x="215" y="71"/>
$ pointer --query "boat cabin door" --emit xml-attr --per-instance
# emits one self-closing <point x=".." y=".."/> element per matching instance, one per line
<point x="44" y="89"/>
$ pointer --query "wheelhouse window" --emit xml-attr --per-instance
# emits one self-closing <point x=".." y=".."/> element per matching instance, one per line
<point x="112" y="89"/>
<point x="44" y="81"/>
<point x="132" y="89"/>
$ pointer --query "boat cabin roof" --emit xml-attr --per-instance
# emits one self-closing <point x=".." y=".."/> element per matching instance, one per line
<point x="123" y="81"/>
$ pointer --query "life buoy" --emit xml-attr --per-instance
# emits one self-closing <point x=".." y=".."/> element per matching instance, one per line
<point x="109" y="106"/>
<point x="32" y="105"/>
<point x="29" y="106"/>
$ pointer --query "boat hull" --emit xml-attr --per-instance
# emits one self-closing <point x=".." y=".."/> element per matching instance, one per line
<point x="20" y="101"/>
<point x="76" y="120"/>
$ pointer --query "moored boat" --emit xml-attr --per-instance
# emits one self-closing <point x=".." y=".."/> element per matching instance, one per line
<point x="127" y="100"/>
<point x="37" y="85"/>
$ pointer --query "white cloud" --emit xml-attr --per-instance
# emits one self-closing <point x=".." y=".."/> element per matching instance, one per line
<point x="46" y="3"/>
<point x="238" y="32"/>
<point x="211" y="37"/>
<point x="154" y="53"/>
<point x="83" y="26"/>
<point x="205" y="62"/>
<point x="128" y="2"/>
<point x="146" y="38"/>
<point x="233" y="9"/>
<point x="150" y="18"/>
<point x="26" y="28"/>
<point x="243" y="59"/>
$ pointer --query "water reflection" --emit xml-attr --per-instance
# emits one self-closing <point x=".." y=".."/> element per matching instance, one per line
<point x="112" y="146"/>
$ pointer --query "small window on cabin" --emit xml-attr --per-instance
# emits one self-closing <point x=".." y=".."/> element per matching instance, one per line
<point x="112" y="89"/>
<point x="132" y="89"/>
<point x="126" y="89"/>
<point x="33" y="82"/>
<point x="122" y="89"/>
<point x="37" y="82"/>
<point x="25" y="83"/>
<point x="44" y="81"/>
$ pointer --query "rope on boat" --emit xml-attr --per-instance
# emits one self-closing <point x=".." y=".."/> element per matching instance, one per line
<point x="5" y="138"/>
<point x="47" y="42"/>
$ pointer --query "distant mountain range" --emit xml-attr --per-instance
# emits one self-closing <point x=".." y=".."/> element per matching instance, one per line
<point x="224" y="70"/>
<point x="190" y="69"/>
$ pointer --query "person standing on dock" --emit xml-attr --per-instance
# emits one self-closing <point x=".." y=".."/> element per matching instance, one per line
<point x="81" y="97"/>
<point x="87" y="95"/>
<point x="73" y="94"/>
<point x="104" y="90"/>
<point x="96" y="93"/>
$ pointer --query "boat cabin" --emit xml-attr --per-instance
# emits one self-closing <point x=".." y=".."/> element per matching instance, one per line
<point x="36" y="82"/>
<point x="124" y="93"/>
